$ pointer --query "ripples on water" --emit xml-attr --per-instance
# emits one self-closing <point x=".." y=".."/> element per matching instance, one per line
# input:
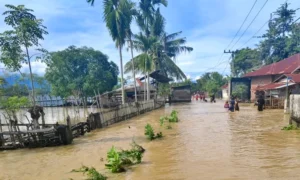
<point x="207" y="143"/>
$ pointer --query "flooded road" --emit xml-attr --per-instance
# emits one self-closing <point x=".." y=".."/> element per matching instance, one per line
<point x="207" y="143"/>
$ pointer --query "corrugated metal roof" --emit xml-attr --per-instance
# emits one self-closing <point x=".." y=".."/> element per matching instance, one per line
<point x="286" y="66"/>
<point x="294" y="77"/>
<point x="273" y="86"/>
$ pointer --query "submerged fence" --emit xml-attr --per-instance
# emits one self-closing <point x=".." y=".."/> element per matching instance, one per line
<point x="58" y="134"/>
<point x="122" y="112"/>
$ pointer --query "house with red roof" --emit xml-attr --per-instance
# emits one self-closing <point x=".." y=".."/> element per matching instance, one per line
<point x="273" y="79"/>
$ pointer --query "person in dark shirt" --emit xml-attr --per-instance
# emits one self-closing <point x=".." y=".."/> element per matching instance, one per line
<point x="260" y="103"/>
<point x="231" y="104"/>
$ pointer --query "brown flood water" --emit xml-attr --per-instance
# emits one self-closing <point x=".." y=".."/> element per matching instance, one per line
<point x="207" y="143"/>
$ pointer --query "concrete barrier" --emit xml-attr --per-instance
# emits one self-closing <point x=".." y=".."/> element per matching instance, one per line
<point x="295" y="109"/>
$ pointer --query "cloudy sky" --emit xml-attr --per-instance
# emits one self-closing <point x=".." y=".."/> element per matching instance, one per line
<point x="208" y="25"/>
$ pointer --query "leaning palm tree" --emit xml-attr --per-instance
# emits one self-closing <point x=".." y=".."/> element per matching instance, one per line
<point x="116" y="19"/>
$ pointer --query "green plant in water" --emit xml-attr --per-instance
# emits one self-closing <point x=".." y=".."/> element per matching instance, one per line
<point x="115" y="163"/>
<point x="92" y="173"/>
<point x="174" y="116"/>
<point x="159" y="135"/>
<point x="117" y="160"/>
<point x="149" y="132"/>
<point x="162" y="120"/>
<point x="290" y="127"/>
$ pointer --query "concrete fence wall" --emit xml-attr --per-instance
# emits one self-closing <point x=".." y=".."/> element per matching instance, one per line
<point x="295" y="109"/>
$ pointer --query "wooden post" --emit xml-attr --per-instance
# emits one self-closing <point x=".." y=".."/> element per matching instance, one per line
<point x="69" y="122"/>
<point x="1" y="136"/>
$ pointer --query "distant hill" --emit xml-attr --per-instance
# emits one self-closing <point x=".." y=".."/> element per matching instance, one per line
<point x="18" y="79"/>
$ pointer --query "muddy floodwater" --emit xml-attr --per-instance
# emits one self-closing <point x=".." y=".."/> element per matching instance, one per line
<point x="207" y="143"/>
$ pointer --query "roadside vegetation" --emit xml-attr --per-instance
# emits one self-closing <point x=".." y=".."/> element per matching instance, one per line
<point x="290" y="127"/>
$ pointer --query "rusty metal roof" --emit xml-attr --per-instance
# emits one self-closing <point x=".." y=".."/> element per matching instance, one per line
<point x="286" y="66"/>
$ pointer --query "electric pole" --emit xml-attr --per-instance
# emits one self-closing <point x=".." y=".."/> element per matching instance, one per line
<point x="232" y="57"/>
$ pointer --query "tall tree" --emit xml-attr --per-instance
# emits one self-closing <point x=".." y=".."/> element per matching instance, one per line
<point x="273" y="47"/>
<point x="131" y="14"/>
<point x="26" y="32"/>
<point x="81" y="70"/>
<point x="244" y="61"/>
<point x="117" y="17"/>
<point x="173" y="46"/>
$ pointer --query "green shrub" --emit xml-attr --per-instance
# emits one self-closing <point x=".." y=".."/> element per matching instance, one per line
<point x="290" y="127"/>
<point x="92" y="173"/>
<point x="115" y="163"/>
<point x="117" y="160"/>
<point x="174" y="116"/>
<point x="149" y="132"/>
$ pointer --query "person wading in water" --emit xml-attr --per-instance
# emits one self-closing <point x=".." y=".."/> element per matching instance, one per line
<point x="260" y="103"/>
<point x="231" y="104"/>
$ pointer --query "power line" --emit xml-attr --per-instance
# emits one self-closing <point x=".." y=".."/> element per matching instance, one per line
<point x="242" y="24"/>
<point x="219" y="62"/>
<point x="254" y="34"/>
<point x="250" y="23"/>
<point x="226" y="65"/>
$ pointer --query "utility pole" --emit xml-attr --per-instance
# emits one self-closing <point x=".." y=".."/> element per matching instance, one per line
<point x="232" y="57"/>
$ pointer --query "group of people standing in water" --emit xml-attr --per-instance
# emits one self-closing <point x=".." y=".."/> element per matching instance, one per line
<point x="232" y="105"/>
<point x="201" y="96"/>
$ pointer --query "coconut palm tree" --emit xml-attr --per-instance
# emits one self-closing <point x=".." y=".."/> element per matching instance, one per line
<point x="132" y="13"/>
<point x="147" y="11"/>
<point x="173" y="46"/>
<point x="116" y="17"/>
<point x="152" y="57"/>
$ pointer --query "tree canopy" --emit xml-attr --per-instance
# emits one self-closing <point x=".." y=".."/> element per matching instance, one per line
<point x="26" y="32"/>
<point x="82" y="70"/>
<point x="280" y="41"/>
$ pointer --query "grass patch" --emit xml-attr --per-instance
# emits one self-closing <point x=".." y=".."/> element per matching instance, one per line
<point x="290" y="127"/>
<point x="91" y="173"/>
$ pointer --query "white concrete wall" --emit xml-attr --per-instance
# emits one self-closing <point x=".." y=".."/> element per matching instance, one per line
<point x="295" y="108"/>
<point x="225" y="94"/>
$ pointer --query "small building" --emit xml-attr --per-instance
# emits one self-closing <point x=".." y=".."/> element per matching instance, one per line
<point x="181" y="94"/>
<point x="267" y="77"/>
<point x="225" y="92"/>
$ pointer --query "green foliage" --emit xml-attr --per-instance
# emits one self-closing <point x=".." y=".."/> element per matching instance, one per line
<point x="174" y="116"/>
<point x="14" y="103"/>
<point x="290" y="127"/>
<point x="115" y="163"/>
<point x="149" y="132"/>
<point x="244" y="61"/>
<point x="239" y="91"/>
<point x="280" y="41"/>
<point x="92" y="173"/>
<point x="80" y="69"/>
<point x="117" y="160"/>
<point x="210" y="82"/>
